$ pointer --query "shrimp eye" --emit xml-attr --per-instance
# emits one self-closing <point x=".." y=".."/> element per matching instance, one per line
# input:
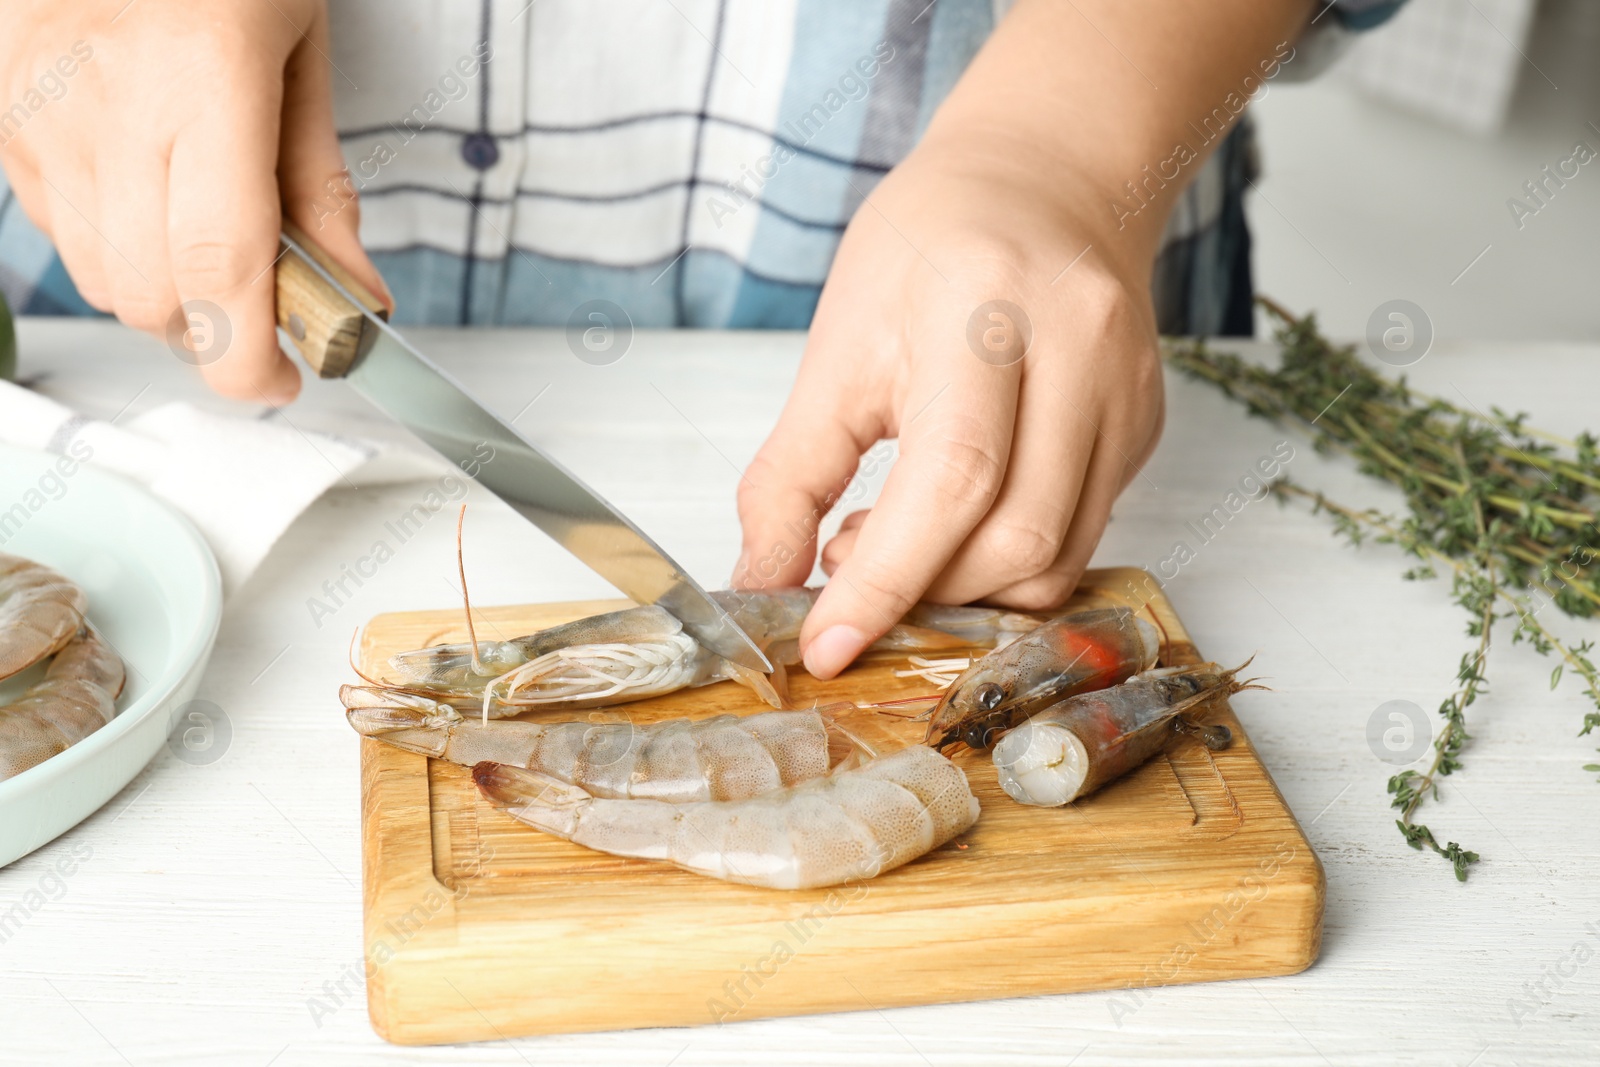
<point x="989" y="696"/>
<point x="979" y="736"/>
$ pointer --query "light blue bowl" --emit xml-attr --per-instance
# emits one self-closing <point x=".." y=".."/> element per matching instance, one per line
<point x="154" y="593"/>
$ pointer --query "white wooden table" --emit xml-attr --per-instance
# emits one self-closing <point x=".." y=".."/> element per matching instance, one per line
<point x="218" y="918"/>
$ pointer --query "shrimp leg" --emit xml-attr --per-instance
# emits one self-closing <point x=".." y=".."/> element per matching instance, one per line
<point x="850" y="826"/>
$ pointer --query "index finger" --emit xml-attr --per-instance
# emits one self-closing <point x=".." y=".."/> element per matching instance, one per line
<point x="955" y="435"/>
<point x="223" y="223"/>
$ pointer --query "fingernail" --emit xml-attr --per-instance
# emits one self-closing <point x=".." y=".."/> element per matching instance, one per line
<point x="832" y="650"/>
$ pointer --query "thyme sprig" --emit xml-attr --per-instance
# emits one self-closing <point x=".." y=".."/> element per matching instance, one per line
<point x="1509" y="510"/>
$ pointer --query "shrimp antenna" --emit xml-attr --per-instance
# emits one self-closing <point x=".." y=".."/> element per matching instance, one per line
<point x="363" y="675"/>
<point x="882" y="706"/>
<point x="901" y="700"/>
<point x="466" y="601"/>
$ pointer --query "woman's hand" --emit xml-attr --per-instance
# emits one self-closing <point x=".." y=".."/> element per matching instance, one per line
<point x="989" y="306"/>
<point x="158" y="165"/>
<point x="1004" y="339"/>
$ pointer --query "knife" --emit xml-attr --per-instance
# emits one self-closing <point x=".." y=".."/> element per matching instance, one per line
<point x="339" y="328"/>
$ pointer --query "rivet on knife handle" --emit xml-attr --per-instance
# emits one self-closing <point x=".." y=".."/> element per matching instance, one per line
<point x="328" y="331"/>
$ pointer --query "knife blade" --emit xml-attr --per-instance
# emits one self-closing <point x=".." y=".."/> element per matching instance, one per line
<point x="340" y="330"/>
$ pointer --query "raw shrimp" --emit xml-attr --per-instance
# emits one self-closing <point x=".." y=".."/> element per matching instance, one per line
<point x="450" y="669"/>
<point x="77" y="696"/>
<point x="1071" y="654"/>
<point x="1072" y="749"/>
<point x="727" y="757"/>
<point x="643" y="652"/>
<point x="849" y="826"/>
<point x="40" y="611"/>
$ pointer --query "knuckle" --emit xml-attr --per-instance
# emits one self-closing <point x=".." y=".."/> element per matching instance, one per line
<point x="1144" y="370"/>
<point x="750" y="493"/>
<point x="768" y="470"/>
<point x="1023" y="548"/>
<point x="964" y="473"/>
<point x="744" y="497"/>
<point x="1105" y="310"/>
<point x="212" y="266"/>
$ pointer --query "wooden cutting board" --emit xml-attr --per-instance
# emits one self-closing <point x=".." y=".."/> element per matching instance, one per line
<point x="1191" y="869"/>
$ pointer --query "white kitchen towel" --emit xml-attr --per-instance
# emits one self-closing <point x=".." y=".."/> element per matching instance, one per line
<point x="240" y="481"/>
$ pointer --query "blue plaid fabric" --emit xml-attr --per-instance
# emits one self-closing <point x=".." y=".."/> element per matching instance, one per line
<point x="693" y="161"/>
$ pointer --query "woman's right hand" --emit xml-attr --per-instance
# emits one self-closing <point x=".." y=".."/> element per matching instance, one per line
<point x="154" y="141"/>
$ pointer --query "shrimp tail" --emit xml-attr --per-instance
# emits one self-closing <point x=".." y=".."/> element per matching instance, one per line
<point x="639" y="828"/>
<point x="536" y="798"/>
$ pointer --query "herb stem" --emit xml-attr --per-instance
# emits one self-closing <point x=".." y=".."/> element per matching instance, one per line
<point x="1499" y="502"/>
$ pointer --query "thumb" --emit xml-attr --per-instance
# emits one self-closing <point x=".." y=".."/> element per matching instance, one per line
<point x="318" y="195"/>
<point x="794" y="481"/>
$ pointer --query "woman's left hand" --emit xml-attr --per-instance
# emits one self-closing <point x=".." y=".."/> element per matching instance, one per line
<point x="990" y="307"/>
<point x="1009" y="342"/>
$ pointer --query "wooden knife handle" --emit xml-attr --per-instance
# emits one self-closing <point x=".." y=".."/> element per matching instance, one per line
<point x="328" y="330"/>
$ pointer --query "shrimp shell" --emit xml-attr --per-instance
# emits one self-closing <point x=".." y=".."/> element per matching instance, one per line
<point x="1068" y="751"/>
<point x="1074" y="653"/>
<point x="40" y="611"/>
<point x="77" y="696"/>
<point x="726" y="757"/>
<point x="852" y="825"/>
